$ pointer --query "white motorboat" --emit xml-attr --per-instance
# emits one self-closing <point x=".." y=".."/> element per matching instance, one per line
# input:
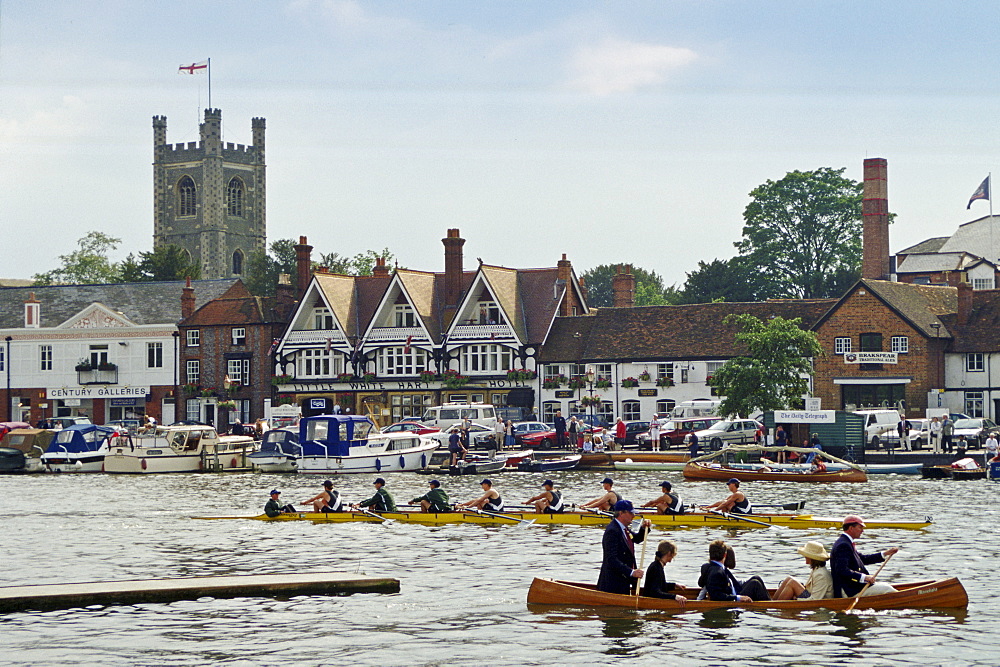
<point x="78" y="448"/>
<point x="344" y="444"/>
<point x="279" y="451"/>
<point x="182" y="448"/>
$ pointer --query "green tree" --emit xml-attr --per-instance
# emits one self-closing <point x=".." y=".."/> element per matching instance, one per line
<point x="88" y="264"/>
<point x="730" y="280"/>
<point x="803" y="232"/>
<point x="263" y="268"/>
<point x="361" y="264"/>
<point x="773" y="375"/>
<point x="168" y="262"/>
<point x="649" y="287"/>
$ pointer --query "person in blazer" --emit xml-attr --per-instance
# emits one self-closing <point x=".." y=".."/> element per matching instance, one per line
<point x="656" y="585"/>
<point x="719" y="583"/>
<point x="847" y="565"/>
<point x="618" y="570"/>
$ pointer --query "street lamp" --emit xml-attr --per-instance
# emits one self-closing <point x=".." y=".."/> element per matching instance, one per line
<point x="590" y="392"/>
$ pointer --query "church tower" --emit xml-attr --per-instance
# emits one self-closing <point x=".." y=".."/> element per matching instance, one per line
<point x="209" y="198"/>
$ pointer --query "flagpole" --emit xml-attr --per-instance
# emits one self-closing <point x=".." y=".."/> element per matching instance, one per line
<point x="210" y="94"/>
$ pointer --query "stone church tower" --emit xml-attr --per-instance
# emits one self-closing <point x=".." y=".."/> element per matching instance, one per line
<point x="209" y="198"/>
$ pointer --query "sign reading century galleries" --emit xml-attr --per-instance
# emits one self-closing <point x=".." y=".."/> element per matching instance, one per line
<point x="97" y="392"/>
<point x="870" y="357"/>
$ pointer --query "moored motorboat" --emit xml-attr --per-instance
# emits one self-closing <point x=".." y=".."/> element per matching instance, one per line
<point x="346" y="444"/>
<point x="279" y="451"/>
<point x="942" y="593"/>
<point x="32" y="443"/>
<point x="949" y="472"/>
<point x="78" y="448"/>
<point x="717" y="466"/>
<point x="549" y="465"/>
<point x="181" y="448"/>
<point x="513" y="458"/>
<point x="479" y="466"/>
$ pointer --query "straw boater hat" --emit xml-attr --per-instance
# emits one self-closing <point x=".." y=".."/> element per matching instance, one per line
<point x="813" y="550"/>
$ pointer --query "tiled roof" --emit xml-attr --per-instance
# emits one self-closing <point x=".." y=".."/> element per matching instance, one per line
<point x="694" y="331"/>
<point x="936" y="261"/>
<point x="504" y="284"/>
<point x="981" y="237"/>
<point x="419" y="285"/>
<point x="930" y="245"/>
<point x="922" y="305"/>
<point x="340" y="294"/>
<point x="236" y="306"/>
<point x="982" y="332"/>
<point x="141" y="303"/>
<point x="539" y="301"/>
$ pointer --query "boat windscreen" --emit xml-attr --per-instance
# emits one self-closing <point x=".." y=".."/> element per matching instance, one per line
<point x="317" y="430"/>
<point x="362" y="430"/>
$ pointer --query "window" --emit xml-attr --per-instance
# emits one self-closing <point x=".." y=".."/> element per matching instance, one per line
<point x="485" y="358"/>
<point x="900" y="344"/>
<point x="549" y="411"/>
<point x="3" y="359"/>
<point x="489" y="313"/>
<point x="550" y="371"/>
<point x="665" y="372"/>
<point x="974" y="403"/>
<point x="577" y="370"/>
<point x="186" y="197"/>
<point x="684" y="374"/>
<point x="313" y="364"/>
<point x="98" y="355"/>
<point x="193" y="409"/>
<point x="870" y="342"/>
<point x="401" y="360"/>
<point x="841" y="345"/>
<point x="602" y="371"/>
<point x="234" y="199"/>
<point x="154" y="355"/>
<point x="238" y="371"/>
<point x="606" y="411"/>
<point x="193" y="371"/>
<point x="665" y="407"/>
<point x="403" y="315"/>
<point x="982" y="283"/>
<point x="239" y="336"/>
<point x="322" y="319"/>
<point x="237" y="263"/>
<point x="711" y="368"/>
<point x="630" y="411"/>
<point x="193" y="337"/>
<point x="45" y="354"/>
<point x="973" y="362"/>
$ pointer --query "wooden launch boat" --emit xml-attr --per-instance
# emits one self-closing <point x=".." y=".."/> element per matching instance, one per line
<point x="942" y="593"/>
<point x="947" y="472"/>
<point x="549" y="465"/>
<point x="694" y="520"/>
<point x="601" y="459"/>
<point x="716" y="466"/>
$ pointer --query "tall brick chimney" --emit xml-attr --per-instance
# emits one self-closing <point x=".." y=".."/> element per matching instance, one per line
<point x="623" y="287"/>
<point x="452" y="268"/>
<point x="303" y="265"/>
<point x="964" y="302"/>
<point x="875" y="212"/>
<point x="564" y="273"/>
<point x="380" y="269"/>
<point x="187" y="300"/>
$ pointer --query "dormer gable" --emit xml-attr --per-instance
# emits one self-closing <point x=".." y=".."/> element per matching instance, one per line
<point x="397" y="316"/>
<point x="489" y="307"/>
<point x="32" y="312"/>
<point x="97" y="316"/>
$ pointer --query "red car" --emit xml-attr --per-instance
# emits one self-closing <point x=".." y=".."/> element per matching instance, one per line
<point x="672" y="432"/>
<point x="547" y="439"/>
<point x="410" y="427"/>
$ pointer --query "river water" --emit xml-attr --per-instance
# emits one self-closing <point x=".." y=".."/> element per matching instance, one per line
<point x="463" y="587"/>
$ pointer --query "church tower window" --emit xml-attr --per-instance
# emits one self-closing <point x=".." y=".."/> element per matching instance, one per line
<point x="186" y="197"/>
<point x="237" y="263"/>
<point x="234" y="198"/>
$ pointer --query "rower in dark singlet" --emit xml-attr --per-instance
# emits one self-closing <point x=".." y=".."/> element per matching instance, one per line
<point x="549" y="500"/>
<point x="490" y="500"/>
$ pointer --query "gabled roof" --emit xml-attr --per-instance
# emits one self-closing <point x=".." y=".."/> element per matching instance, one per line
<point x="339" y="293"/>
<point x="981" y="236"/>
<point x="236" y="306"/>
<point x="930" y="245"/>
<point x="920" y="305"/>
<point x="937" y="261"/>
<point x="694" y="331"/>
<point x="419" y="288"/>
<point x="503" y="283"/>
<point x="141" y="303"/>
<point x="540" y="301"/>
<point x="982" y="332"/>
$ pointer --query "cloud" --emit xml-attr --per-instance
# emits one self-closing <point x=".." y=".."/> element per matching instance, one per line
<point x="618" y="66"/>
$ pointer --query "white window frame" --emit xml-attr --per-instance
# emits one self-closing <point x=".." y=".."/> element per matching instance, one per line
<point x="192" y="409"/>
<point x="974" y="362"/>
<point x="238" y="371"/>
<point x="606" y="411"/>
<point x="316" y="362"/>
<point x="403" y="316"/>
<point x="488" y="312"/>
<point x="841" y="345"/>
<point x="665" y="371"/>
<point x="665" y="406"/>
<point x="550" y="371"/>
<point x="193" y="371"/>
<point x="487" y="359"/>
<point x="899" y="344"/>
<point x="322" y="319"/>
<point x="397" y="362"/>
<point x="193" y="337"/>
<point x="631" y="411"/>
<point x="975" y="402"/>
<point x="982" y="283"/>
<point x="3" y="358"/>
<point x="154" y="355"/>
<point x="45" y="357"/>
<point x="549" y="409"/>
<point x="239" y="336"/>
<point x="603" y="372"/>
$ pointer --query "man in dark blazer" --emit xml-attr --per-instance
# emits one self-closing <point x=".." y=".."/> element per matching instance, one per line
<point x="848" y="566"/>
<point x="559" y="424"/>
<point x="719" y="583"/>
<point x="618" y="571"/>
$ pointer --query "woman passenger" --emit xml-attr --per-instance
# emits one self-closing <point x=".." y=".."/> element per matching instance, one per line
<point x="656" y="585"/>
<point x="819" y="585"/>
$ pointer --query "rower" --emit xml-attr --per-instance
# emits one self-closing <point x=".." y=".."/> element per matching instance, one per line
<point x="549" y="501"/>
<point x="382" y="501"/>
<point x="273" y="507"/>
<point x="435" y="500"/>
<point x="736" y="503"/>
<point x="605" y="502"/>
<point x="489" y="501"/>
<point x="668" y="503"/>
<point x="326" y="500"/>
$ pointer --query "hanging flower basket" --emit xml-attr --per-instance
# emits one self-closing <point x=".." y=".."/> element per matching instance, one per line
<point x="644" y="376"/>
<point x="603" y="383"/>
<point x="630" y="382"/>
<point x="588" y="401"/>
<point x="577" y="382"/>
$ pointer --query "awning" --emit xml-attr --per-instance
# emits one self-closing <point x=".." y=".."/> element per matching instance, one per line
<point x="872" y="380"/>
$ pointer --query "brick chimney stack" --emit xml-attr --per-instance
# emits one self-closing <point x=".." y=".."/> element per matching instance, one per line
<point x="875" y="213"/>
<point x="564" y="273"/>
<point x="453" y="268"/>
<point x="303" y="265"/>
<point x="623" y="287"/>
<point x="187" y="300"/>
<point x="964" y="302"/>
<point x="380" y="269"/>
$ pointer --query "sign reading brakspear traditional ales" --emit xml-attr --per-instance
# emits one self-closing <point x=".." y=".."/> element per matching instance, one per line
<point x="870" y="358"/>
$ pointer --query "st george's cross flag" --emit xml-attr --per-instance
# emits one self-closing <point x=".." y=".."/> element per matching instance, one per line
<point x="982" y="192"/>
<point x="193" y="68"/>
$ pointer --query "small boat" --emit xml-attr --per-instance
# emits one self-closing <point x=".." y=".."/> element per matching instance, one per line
<point x="549" y="465"/>
<point x="510" y="516"/>
<point x="279" y="451"/>
<point x="870" y="468"/>
<point x="181" y="448"/>
<point x="629" y="464"/>
<point x="994" y="469"/>
<point x="345" y="444"/>
<point x="942" y="593"/>
<point x="12" y="461"/>
<point x="78" y="448"/>
<point x="513" y="458"/>
<point x="603" y="459"/>
<point x="479" y="466"/>
<point x="948" y="472"/>
<point x="32" y="443"/>
<point x="717" y="466"/>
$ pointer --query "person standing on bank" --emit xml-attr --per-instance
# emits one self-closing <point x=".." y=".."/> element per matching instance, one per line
<point x="654" y="432"/>
<point x="618" y="571"/>
<point x="847" y="565"/>
<point x="573" y="427"/>
<point x="947" y="430"/>
<point x="935" y="434"/>
<point x="382" y="501"/>
<point x="458" y="451"/>
<point x="508" y="437"/>
<point x="903" y="431"/>
<point x="559" y="423"/>
<point x="620" y="433"/>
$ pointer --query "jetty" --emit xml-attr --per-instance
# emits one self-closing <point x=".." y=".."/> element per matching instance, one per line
<point x="45" y="597"/>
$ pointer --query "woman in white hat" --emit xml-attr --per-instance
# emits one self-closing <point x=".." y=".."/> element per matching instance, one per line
<point x="818" y="586"/>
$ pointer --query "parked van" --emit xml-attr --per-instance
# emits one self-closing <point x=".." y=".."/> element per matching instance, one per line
<point x="699" y="407"/>
<point x="443" y="416"/>
<point x="879" y="424"/>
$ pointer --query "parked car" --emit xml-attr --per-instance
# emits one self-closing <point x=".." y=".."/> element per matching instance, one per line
<point x="547" y="439"/>
<point x="880" y="425"/>
<point x="478" y="435"/>
<point x="125" y="425"/>
<point x="975" y="430"/>
<point x="673" y="431"/>
<point x="632" y="432"/>
<point x="920" y="433"/>
<point x="409" y="427"/>
<point x="729" y="432"/>
<point x="64" y="422"/>
<point x="523" y="429"/>
<point x="590" y="420"/>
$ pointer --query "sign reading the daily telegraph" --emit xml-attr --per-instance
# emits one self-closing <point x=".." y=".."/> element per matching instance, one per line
<point x="870" y="358"/>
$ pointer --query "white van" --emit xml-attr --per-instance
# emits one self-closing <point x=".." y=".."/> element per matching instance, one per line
<point x="444" y="416"/>
<point x="699" y="407"/>
<point x="879" y="424"/>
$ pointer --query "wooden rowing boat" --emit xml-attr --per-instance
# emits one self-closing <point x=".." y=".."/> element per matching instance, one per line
<point x="610" y="458"/>
<point x="720" y="472"/>
<point x="943" y="593"/>
<point x="694" y="520"/>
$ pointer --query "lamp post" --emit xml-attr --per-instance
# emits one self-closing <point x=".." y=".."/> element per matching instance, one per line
<point x="6" y="365"/>
<point x="177" y="394"/>
<point x="590" y="392"/>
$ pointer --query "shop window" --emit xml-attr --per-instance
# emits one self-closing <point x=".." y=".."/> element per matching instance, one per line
<point x="486" y="359"/>
<point x="186" y="197"/>
<point x="402" y="360"/>
<point x="234" y="199"/>
<point x="841" y="345"/>
<point x="45" y="356"/>
<point x="239" y="336"/>
<point x="154" y="355"/>
<point x="900" y="344"/>
<point x="631" y="411"/>
<point x="194" y="371"/>
<point x="974" y="403"/>
<point x="193" y="337"/>
<point x="549" y="409"/>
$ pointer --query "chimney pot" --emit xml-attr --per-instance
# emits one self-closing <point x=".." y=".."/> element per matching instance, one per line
<point x="964" y="302"/>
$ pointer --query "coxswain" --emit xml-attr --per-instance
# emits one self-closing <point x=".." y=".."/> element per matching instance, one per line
<point x="326" y="500"/>
<point x="382" y="501"/>
<point x="736" y="503"/>
<point x="549" y="501"/>
<point x="818" y="466"/>
<point x="435" y="500"/>
<point x="274" y="508"/>
<point x="606" y="502"/>
<point x="847" y="564"/>
<point x="489" y="501"/>
<point x="668" y="502"/>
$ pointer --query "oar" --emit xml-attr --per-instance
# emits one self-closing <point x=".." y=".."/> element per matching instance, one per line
<point x="642" y="560"/>
<point x="739" y="517"/>
<point x="521" y="522"/>
<point x="385" y="521"/>
<point x="787" y="506"/>
<point x="868" y="585"/>
<point x="595" y="511"/>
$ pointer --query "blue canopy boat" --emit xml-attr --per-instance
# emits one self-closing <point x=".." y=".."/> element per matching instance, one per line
<point x="78" y="448"/>
<point x="279" y="451"/>
<point x="336" y="444"/>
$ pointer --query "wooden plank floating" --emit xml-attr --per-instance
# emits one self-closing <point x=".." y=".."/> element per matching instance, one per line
<point x="135" y="591"/>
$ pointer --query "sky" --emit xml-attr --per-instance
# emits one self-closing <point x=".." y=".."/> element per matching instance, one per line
<point x="613" y="132"/>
